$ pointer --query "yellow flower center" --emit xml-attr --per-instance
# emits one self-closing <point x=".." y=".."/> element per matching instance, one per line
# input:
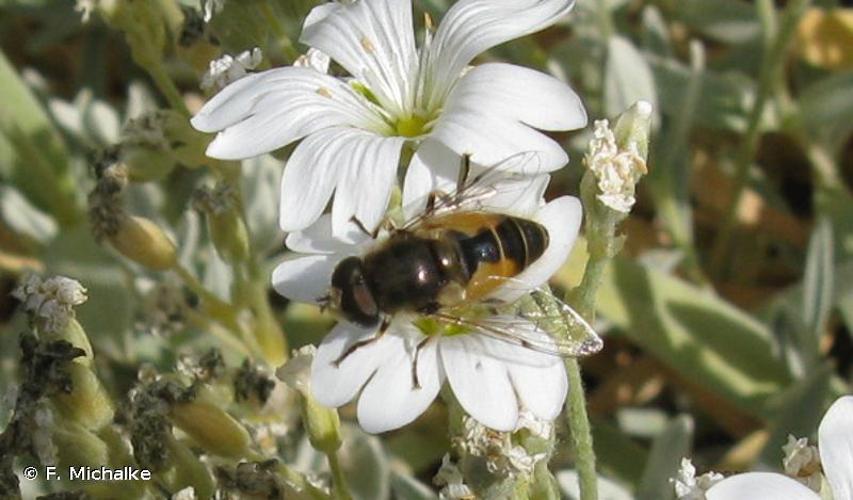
<point x="411" y="126"/>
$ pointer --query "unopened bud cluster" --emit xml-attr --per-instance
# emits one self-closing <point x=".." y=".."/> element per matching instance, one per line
<point x="50" y="301"/>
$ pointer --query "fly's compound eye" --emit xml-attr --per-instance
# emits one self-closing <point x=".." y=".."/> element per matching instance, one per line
<point x="352" y="295"/>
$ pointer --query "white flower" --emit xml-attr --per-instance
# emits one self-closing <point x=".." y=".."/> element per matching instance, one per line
<point x="353" y="128"/>
<point x="802" y="462"/>
<point x="491" y="379"/>
<point x="835" y="444"/>
<point x="50" y="301"/>
<point x="296" y="373"/>
<point x="450" y="477"/>
<point x="228" y="69"/>
<point x="617" y="171"/>
<point x="690" y="487"/>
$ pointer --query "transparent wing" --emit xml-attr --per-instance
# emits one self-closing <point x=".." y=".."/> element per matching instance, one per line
<point x="537" y="321"/>
<point x="476" y="185"/>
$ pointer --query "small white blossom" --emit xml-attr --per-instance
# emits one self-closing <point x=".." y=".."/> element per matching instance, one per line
<point x="537" y="426"/>
<point x="501" y="455"/>
<point x="617" y="171"/>
<point x="314" y="59"/>
<point x="228" y="69"/>
<point x="802" y="462"/>
<point x="210" y="8"/>
<point x="296" y="373"/>
<point x="690" y="487"/>
<point x="450" y="477"/>
<point x="50" y="301"/>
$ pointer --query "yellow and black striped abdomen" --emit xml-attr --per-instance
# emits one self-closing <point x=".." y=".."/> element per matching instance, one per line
<point x="492" y="247"/>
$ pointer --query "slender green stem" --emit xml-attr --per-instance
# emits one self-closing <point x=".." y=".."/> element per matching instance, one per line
<point x="581" y="433"/>
<point x="281" y="36"/>
<point x="338" y="480"/>
<point x="774" y="56"/>
<point x="166" y="86"/>
<point x="199" y="289"/>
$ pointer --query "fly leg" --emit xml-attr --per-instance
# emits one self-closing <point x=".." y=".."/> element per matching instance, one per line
<point x="416" y="384"/>
<point x="464" y="170"/>
<point x="361" y="343"/>
<point x="387" y="223"/>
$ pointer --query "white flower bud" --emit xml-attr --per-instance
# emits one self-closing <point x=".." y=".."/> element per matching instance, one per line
<point x="802" y="462"/>
<point x="450" y="477"/>
<point x="690" y="487"/>
<point x="50" y="301"/>
<point x="616" y="170"/>
<point x="228" y="69"/>
<point x="314" y="59"/>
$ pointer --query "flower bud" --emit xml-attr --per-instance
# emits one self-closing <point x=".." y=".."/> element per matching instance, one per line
<point x="212" y="428"/>
<point x="189" y="470"/>
<point x="633" y="127"/>
<point x="88" y="403"/>
<point x="222" y="206"/>
<point x="323" y="424"/>
<point x="146" y="163"/>
<point x="78" y="446"/>
<point x="617" y="159"/>
<point x="143" y="242"/>
<point x="76" y="336"/>
<point x="187" y="144"/>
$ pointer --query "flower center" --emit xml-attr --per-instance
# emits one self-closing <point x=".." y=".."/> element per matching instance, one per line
<point x="412" y="126"/>
<point x="432" y="327"/>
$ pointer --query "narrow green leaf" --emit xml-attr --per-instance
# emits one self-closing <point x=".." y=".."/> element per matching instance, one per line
<point x="665" y="458"/>
<point x="798" y="412"/>
<point x="727" y="21"/>
<point x="627" y="78"/>
<point x="617" y="454"/>
<point x="826" y="108"/>
<point x="695" y="333"/>
<point x="406" y="487"/>
<point x="607" y="489"/>
<point x="25" y="219"/>
<point x="818" y="281"/>
<point x="38" y="155"/>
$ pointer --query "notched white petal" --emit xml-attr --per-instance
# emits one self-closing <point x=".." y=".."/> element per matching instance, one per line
<point x="266" y="111"/>
<point x="360" y="164"/>
<point x="541" y="390"/>
<point x="336" y="385"/>
<point x="391" y="399"/>
<point x="480" y="382"/>
<point x="835" y="442"/>
<point x="471" y="27"/>
<point x="305" y="278"/>
<point x="490" y="138"/>
<point x="374" y="41"/>
<point x="522" y="94"/>
<point x="318" y="239"/>
<point x="760" y="486"/>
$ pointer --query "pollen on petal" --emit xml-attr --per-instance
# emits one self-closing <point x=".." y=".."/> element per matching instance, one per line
<point x="325" y="92"/>
<point x="368" y="45"/>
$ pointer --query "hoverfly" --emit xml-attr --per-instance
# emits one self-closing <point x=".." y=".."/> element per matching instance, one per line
<point x="444" y="265"/>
